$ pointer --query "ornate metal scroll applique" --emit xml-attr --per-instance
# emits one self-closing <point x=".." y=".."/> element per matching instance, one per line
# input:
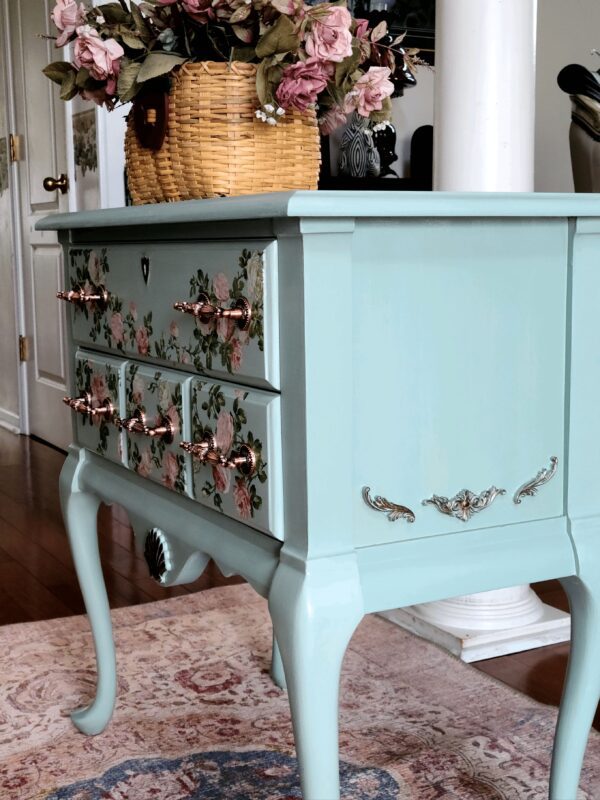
<point x="393" y="510"/>
<point x="529" y="489"/>
<point x="465" y="503"/>
<point x="157" y="554"/>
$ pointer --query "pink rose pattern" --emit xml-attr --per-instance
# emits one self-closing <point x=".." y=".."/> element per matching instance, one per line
<point x="101" y="381"/>
<point x="222" y="411"/>
<point x="221" y="346"/>
<point x="158" y="399"/>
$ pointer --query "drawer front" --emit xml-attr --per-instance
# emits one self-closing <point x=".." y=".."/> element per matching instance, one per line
<point x="158" y="395"/>
<point x="100" y="379"/>
<point x="143" y="283"/>
<point x="460" y="356"/>
<point x="236" y="417"/>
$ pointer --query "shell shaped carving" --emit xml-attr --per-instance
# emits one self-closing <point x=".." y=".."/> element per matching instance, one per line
<point x="157" y="554"/>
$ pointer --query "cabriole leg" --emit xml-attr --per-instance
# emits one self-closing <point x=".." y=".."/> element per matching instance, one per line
<point x="80" y="511"/>
<point x="582" y="689"/>
<point x="315" y="612"/>
<point x="277" y="673"/>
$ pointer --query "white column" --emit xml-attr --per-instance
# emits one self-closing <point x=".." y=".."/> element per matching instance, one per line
<point x="484" y="141"/>
<point x="484" y="95"/>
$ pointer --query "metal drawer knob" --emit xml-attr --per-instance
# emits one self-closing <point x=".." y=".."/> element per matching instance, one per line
<point x="206" y="451"/>
<point x="84" y="405"/>
<point x="240" y="311"/>
<point x="137" y="424"/>
<point x="52" y="184"/>
<point x="80" y="297"/>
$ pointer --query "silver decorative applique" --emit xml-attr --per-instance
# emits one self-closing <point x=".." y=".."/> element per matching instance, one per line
<point x="529" y="489"/>
<point x="465" y="503"/>
<point x="393" y="510"/>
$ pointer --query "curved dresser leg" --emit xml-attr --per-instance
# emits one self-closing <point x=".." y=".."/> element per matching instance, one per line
<point x="277" y="672"/>
<point x="582" y="689"/>
<point x="315" y="613"/>
<point x="80" y="510"/>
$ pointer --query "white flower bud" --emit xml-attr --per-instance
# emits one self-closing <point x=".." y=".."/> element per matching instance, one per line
<point x="269" y="108"/>
<point x="271" y="121"/>
<point x="280" y="112"/>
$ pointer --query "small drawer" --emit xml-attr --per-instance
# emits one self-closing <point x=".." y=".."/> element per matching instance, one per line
<point x="123" y="298"/>
<point x="153" y="425"/>
<point x="244" y="427"/>
<point x="97" y="404"/>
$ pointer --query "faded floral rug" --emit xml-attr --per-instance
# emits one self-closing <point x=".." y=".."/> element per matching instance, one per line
<point x="198" y="717"/>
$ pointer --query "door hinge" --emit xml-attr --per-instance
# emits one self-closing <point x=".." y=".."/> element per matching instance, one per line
<point x="15" y="148"/>
<point x="23" y="348"/>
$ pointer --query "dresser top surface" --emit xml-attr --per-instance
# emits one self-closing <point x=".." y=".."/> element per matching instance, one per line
<point x="334" y="204"/>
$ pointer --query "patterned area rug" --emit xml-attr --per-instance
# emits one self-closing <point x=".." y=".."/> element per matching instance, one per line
<point x="198" y="717"/>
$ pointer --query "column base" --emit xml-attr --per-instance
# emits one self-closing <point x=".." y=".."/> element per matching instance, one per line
<point x="552" y="627"/>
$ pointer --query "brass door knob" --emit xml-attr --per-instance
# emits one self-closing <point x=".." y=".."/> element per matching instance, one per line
<point x="52" y="184"/>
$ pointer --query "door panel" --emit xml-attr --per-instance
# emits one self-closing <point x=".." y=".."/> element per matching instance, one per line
<point x="40" y="118"/>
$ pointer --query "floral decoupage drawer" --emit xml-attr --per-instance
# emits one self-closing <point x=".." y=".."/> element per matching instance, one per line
<point x="100" y="380"/>
<point x="144" y="282"/>
<point x="154" y="425"/>
<point x="235" y="421"/>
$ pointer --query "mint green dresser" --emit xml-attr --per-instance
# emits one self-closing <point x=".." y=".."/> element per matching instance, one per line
<point x="356" y="401"/>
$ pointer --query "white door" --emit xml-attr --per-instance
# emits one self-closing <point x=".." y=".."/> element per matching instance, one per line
<point x="40" y="119"/>
<point x="9" y="334"/>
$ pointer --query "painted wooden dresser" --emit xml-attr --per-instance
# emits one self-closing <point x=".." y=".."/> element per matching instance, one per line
<point x="356" y="401"/>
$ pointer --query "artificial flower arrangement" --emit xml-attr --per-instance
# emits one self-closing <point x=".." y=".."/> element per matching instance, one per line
<point x="307" y="56"/>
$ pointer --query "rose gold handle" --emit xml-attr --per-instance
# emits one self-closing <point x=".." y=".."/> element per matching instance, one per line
<point x="206" y="451"/>
<point x="240" y="311"/>
<point x="137" y="424"/>
<point x="84" y="405"/>
<point x="80" y="297"/>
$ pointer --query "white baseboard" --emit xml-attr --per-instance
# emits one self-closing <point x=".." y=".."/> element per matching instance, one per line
<point x="10" y="421"/>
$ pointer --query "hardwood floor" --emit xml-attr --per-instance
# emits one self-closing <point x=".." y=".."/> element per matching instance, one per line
<point x="37" y="577"/>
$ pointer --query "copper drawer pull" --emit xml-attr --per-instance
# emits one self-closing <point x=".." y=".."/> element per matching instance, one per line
<point x="80" y="297"/>
<point x="84" y="405"/>
<point x="244" y="459"/>
<point x="240" y="312"/>
<point x="137" y="424"/>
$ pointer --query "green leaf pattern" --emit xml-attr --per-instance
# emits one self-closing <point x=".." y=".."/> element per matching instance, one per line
<point x="156" y="397"/>
<point x="215" y="345"/>
<point x="225" y="417"/>
<point x="102" y="382"/>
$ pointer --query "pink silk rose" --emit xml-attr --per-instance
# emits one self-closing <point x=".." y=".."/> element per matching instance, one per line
<point x="369" y="92"/>
<point x="67" y="16"/>
<point x="301" y="84"/>
<point x="330" y="38"/>
<point x="101" y="57"/>
<point x="331" y="120"/>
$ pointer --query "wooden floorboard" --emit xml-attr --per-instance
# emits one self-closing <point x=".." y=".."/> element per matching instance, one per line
<point x="38" y="581"/>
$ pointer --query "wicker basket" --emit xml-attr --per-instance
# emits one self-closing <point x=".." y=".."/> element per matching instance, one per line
<point x="216" y="147"/>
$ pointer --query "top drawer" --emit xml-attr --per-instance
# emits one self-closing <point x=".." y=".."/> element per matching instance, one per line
<point x="144" y="282"/>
